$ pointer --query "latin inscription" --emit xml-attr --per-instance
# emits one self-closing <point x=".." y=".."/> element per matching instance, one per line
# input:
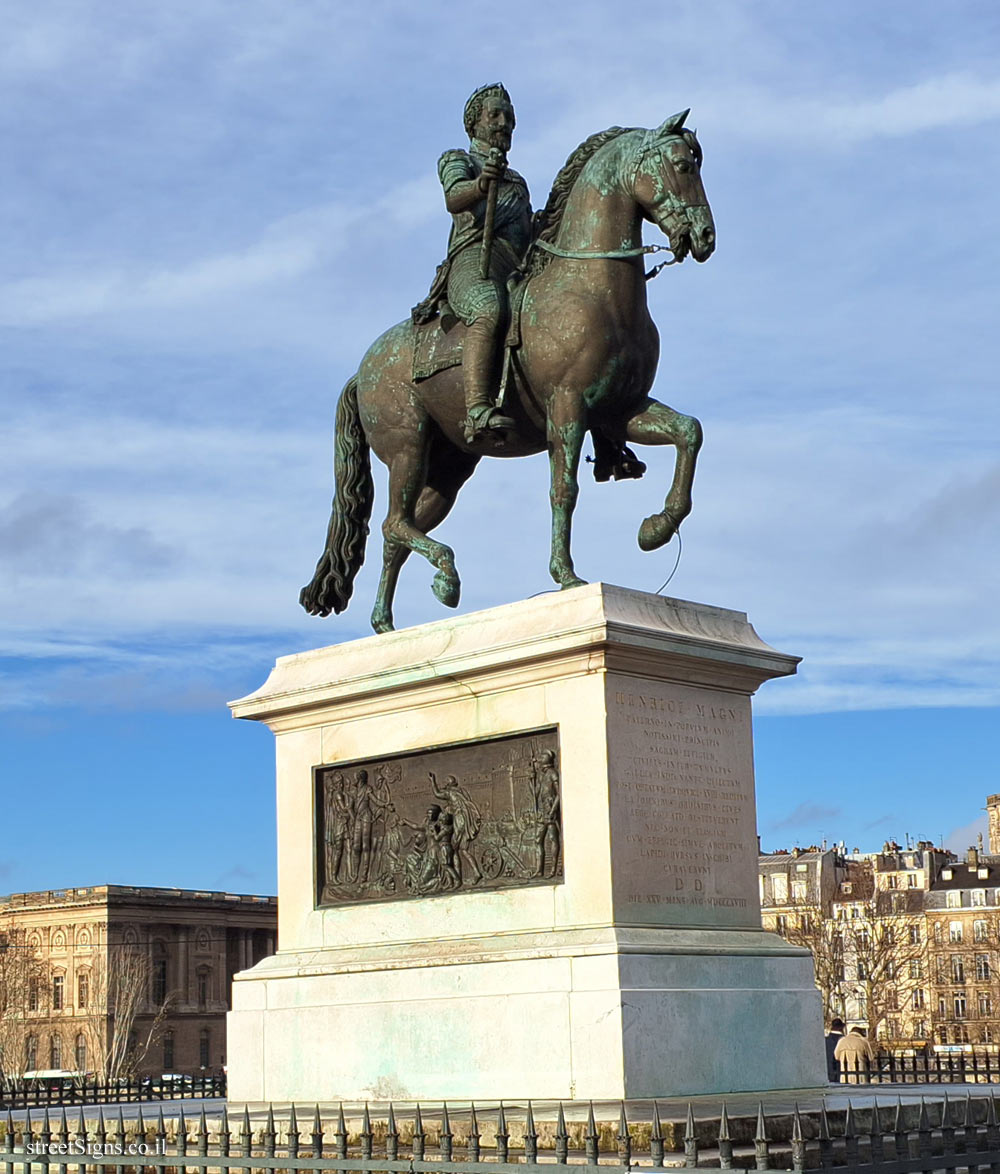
<point x="683" y="786"/>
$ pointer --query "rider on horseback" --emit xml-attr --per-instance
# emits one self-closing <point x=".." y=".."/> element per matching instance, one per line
<point x="481" y="302"/>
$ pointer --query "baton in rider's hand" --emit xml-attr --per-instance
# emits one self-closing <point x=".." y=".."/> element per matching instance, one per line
<point x="497" y="163"/>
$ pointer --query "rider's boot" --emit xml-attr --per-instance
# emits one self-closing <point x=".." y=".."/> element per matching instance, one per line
<point x="482" y="416"/>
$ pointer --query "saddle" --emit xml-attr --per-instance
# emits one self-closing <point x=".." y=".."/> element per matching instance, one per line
<point x="437" y="344"/>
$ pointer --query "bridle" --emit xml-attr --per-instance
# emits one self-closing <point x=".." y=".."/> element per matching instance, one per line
<point x="677" y="208"/>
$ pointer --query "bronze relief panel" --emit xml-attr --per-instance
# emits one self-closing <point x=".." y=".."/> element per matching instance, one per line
<point x="462" y="818"/>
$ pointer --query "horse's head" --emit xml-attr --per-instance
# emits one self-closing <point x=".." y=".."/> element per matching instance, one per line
<point x="668" y="188"/>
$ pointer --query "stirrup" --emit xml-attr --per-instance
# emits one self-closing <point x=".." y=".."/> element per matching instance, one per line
<point x="485" y="418"/>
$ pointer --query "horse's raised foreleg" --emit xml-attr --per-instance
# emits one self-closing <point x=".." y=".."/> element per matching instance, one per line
<point x="565" y="429"/>
<point x="448" y="473"/>
<point x="655" y="423"/>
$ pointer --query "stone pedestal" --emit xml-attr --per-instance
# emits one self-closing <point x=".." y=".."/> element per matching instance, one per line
<point x="641" y="970"/>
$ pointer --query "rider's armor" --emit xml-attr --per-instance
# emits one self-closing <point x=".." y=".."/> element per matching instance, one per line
<point x="481" y="304"/>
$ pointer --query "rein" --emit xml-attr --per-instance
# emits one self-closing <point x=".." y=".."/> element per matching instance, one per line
<point x="610" y="255"/>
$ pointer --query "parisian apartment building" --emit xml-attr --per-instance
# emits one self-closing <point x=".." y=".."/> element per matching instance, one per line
<point x="905" y="941"/>
<point x="119" y="981"/>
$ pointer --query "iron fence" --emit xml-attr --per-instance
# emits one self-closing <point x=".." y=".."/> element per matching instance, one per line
<point x="924" y="1068"/>
<point x="52" y="1093"/>
<point x="901" y="1139"/>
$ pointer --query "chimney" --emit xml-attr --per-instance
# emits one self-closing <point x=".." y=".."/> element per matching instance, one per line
<point x="972" y="858"/>
<point x="993" y="811"/>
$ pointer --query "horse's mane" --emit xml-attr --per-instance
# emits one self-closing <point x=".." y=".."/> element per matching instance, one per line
<point x="545" y="224"/>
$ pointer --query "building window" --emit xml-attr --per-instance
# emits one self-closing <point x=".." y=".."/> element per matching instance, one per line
<point x="983" y="967"/>
<point x="911" y="880"/>
<point x="979" y="896"/>
<point x="920" y="1029"/>
<point x="862" y="971"/>
<point x="953" y="899"/>
<point x="33" y="994"/>
<point x="781" y="923"/>
<point x="960" y="1007"/>
<point x="58" y="986"/>
<point x="168" y="1052"/>
<point x="892" y="1004"/>
<point x="779" y="885"/>
<point x="892" y="881"/>
<point x="914" y="935"/>
<point x="916" y="968"/>
<point x="942" y="1010"/>
<point x="55" y="1052"/>
<point x="800" y="890"/>
<point x="938" y="932"/>
<point x="892" y="1028"/>
<point x="81" y="1053"/>
<point x="82" y="990"/>
<point x="954" y="931"/>
<point x="979" y="931"/>
<point x="31" y="1053"/>
<point x="763" y="888"/>
<point x="957" y="968"/>
<point x="203" y="1048"/>
<point x="961" y="1034"/>
<point x="942" y="970"/>
<point x="917" y="999"/>
<point x="160" y="981"/>
<point x="987" y="1034"/>
<point x="202" y="987"/>
<point x="985" y="1004"/>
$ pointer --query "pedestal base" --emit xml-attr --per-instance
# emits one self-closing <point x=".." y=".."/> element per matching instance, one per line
<point x="599" y="938"/>
<point x="599" y="1015"/>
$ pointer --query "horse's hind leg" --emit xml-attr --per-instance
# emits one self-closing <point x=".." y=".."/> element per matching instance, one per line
<point x="449" y="470"/>
<point x="655" y="423"/>
<point x="417" y="503"/>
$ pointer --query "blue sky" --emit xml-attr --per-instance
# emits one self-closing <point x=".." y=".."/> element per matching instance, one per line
<point x="210" y="208"/>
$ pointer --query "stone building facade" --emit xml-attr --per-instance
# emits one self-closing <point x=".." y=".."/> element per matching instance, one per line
<point x="190" y="943"/>
<point x="906" y="940"/>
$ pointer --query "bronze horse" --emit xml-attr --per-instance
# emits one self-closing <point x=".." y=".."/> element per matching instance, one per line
<point x="586" y="362"/>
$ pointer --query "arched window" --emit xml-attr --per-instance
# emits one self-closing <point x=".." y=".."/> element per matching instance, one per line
<point x="168" y="1051"/>
<point x="31" y="1053"/>
<point x="55" y="1051"/>
<point x="81" y="1053"/>
<point x="82" y="989"/>
<point x="203" y="1043"/>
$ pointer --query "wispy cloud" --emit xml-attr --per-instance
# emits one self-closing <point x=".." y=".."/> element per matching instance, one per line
<point x="807" y="814"/>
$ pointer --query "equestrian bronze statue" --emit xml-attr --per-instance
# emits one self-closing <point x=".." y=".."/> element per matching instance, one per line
<point x="535" y="332"/>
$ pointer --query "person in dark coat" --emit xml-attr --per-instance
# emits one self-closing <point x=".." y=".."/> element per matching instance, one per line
<point x="833" y="1037"/>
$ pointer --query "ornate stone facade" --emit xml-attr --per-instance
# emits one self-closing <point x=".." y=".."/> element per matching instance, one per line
<point x="191" y="944"/>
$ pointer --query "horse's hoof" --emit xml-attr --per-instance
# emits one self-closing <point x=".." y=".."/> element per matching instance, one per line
<point x="382" y="623"/>
<point x="571" y="582"/>
<point x="447" y="588"/>
<point x="656" y="531"/>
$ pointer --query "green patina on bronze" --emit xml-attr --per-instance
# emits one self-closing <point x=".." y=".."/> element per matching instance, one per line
<point x="555" y="342"/>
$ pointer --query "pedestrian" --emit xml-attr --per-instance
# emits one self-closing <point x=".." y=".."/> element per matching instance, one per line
<point x="855" y="1054"/>
<point x="832" y="1038"/>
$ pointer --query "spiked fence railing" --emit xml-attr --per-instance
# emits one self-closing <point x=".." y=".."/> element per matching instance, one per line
<point x="905" y="1138"/>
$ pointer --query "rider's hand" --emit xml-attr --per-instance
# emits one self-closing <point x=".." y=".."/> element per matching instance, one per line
<point x="490" y="171"/>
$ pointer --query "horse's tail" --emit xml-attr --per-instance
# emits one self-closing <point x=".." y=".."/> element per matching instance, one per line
<point x="354" y="491"/>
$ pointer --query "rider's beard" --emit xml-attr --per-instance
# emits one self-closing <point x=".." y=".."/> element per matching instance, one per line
<point x="495" y="137"/>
